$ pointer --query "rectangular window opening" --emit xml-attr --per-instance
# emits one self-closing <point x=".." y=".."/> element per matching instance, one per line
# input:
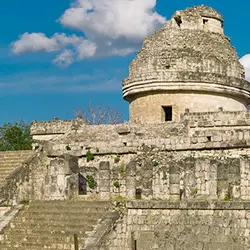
<point x="205" y="21"/>
<point x="168" y="113"/>
<point x="138" y="194"/>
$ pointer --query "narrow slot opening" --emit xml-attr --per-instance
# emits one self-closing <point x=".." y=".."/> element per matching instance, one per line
<point x="209" y="138"/>
<point x="135" y="244"/>
<point x="181" y="193"/>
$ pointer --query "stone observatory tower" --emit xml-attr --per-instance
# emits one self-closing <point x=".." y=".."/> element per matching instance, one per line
<point x="188" y="64"/>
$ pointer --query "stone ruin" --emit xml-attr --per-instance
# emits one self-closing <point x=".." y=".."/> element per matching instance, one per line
<point x="179" y="170"/>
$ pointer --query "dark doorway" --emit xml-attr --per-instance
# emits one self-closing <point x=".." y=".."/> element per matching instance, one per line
<point x="82" y="184"/>
<point x="168" y="113"/>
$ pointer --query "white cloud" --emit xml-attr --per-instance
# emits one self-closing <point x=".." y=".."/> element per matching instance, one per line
<point x="109" y="27"/>
<point x="86" y="49"/>
<point x="245" y="61"/>
<point x="113" y="18"/>
<point x="34" y="42"/>
<point x="65" y="58"/>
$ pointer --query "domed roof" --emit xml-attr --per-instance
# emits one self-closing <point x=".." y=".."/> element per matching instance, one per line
<point x="190" y="48"/>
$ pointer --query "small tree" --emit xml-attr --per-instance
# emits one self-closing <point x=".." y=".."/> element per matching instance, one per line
<point x="96" y="114"/>
<point x="15" y="136"/>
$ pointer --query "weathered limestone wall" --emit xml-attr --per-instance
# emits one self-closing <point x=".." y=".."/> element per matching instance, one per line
<point x="182" y="225"/>
<point x="212" y="25"/>
<point x="148" y="108"/>
<point x="129" y="138"/>
<point x="204" y="155"/>
<point x="48" y="130"/>
<point x="199" y="22"/>
<point x="149" y="174"/>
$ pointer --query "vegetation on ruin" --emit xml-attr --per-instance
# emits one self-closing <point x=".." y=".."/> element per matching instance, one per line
<point x="15" y="136"/>
<point x="117" y="159"/>
<point x="116" y="184"/>
<point x="226" y="198"/>
<point x="91" y="181"/>
<point x="122" y="169"/>
<point x="68" y="148"/>
<point x="156" y="163"/>
<point x="25" y="202"/>
<point x="89" y="156"/>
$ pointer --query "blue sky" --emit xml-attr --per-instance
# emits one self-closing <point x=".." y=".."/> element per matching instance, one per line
<point x="70" y="60"/>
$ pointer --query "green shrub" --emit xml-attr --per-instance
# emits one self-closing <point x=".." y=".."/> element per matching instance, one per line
<point x="15" y="136"/>
<point x="122" y="169"/>
<point x="226" y="198"/>
<point x="117" y="159"/>
<point x="91" y="181"/>
<point x="25" y="202"/>
<point x="68" y="148"/>
<point x="89" y="156"/>
<point x="116" y="184"/>
<point x="156" y="163"/>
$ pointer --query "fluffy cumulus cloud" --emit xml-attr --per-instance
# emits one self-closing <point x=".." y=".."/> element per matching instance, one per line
<point x="34" y="42"/>
<point x="109" y="27"/>
<point x="245" y="61"/>
<point x="113" y="19"/>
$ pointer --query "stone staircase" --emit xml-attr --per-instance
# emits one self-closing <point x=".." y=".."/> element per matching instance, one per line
<point x="10" y="160"/>
<point x="52" y="224"/>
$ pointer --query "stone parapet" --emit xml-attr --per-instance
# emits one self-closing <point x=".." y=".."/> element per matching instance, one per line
<point x="48" y="130"/>
<point x="185" y="205"/>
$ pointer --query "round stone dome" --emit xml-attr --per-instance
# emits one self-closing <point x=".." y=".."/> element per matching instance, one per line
<point x="189" y="63"/>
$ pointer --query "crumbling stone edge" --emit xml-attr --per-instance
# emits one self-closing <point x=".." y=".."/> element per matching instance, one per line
<point x="95" y="239"/>
<point x="8" y="216"/>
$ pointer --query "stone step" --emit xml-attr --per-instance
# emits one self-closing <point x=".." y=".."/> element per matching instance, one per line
<point x="55" y="216"/>
<point x="44" y="237"/>
<point x="38" y="246"/>
<point x="8" y="167"/>
<point x="76" y="204"/>
<point x="52" y="224"/>
<point x="4" y="174"/>
<point x="11" y="160"/>
<point x="56" y="225"/>
<point x="4" y="247"/>
<point x="44" y="231"/>
<point x="19" y="152"/>
<point x="65" y="210"/>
